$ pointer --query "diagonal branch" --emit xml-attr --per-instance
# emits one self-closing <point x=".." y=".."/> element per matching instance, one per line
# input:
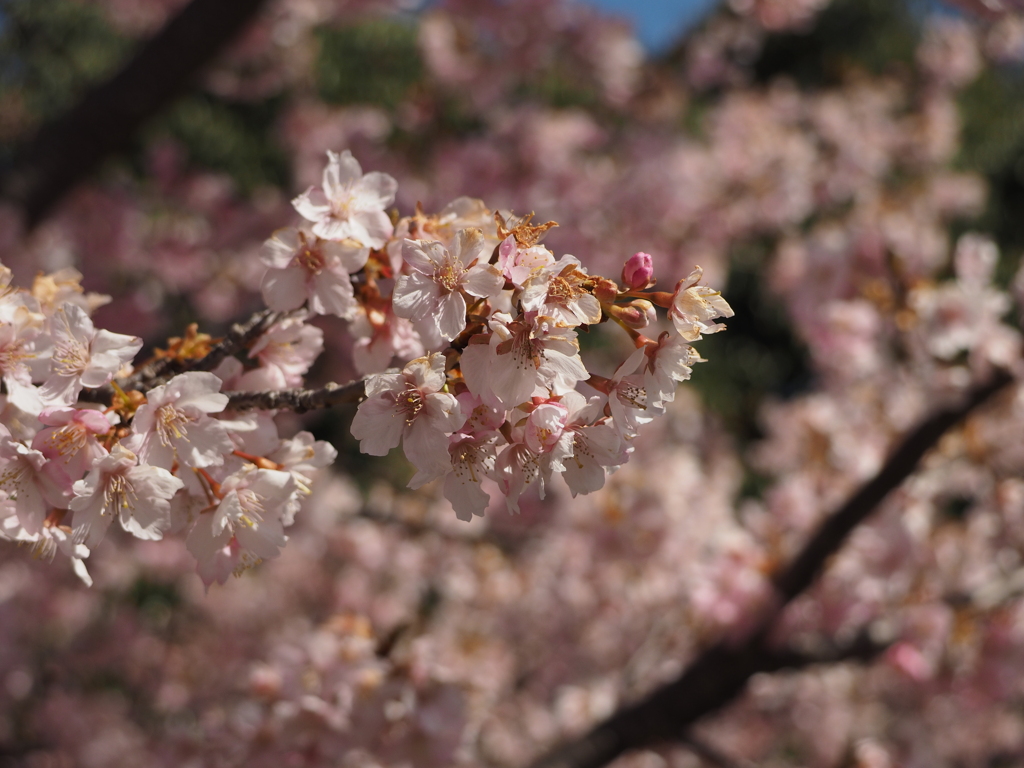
<point x="721" y="673"/>
<point x="68" y="149"/>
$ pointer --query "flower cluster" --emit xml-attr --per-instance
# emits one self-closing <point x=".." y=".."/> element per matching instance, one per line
<point x="77" y="451"/>
<point x="489" y="314"/>
<point x="494" y="318"/>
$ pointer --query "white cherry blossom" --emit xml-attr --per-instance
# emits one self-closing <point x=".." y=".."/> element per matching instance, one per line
<point x="433" y="290"/>
<point x="473" y="457"/>
<point x="669" y="360"/>
<point x="628" y="399"/>
<point x="519" y="357"/>
<point x="694" y="307"/>
<point x="559" y="291"/>
<point x="83" y="356"/>
<point x="33" y="482"/>
<point x="349" y="205"/>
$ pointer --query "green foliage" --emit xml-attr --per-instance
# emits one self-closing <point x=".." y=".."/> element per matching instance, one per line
<point x="759" y="356"/>
<point x="877" y="36"/>
<point x="992" y="110"/>
<point x="235" y="138"/>
<point x="50" y="50"/>
<point x="376" y="62"/>
<point x="559" y="88"/>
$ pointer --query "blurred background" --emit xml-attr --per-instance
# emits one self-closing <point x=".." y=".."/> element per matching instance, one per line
<point x="820" y="159"/>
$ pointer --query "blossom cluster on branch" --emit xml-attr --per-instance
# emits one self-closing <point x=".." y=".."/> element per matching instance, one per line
<point x="388" y="631"/>
<point x="488" y="312"/>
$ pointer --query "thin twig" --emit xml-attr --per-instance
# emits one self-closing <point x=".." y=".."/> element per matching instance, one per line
<point x="237" y="338"/>
<point x="719" y="674"/>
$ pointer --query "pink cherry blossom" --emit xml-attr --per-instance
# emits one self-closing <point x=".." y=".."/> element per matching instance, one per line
<point x="409" y="407"/>
<point x="249" y="514"/>
<point x="70" y="437"/>
<point x="118" y="486"/>
<point x="518" y="263"/>
<point x="638" y="271"/>
<point x="174" y="425"/>
<point x="285" y="351"/>
<point x="304" y="267"/>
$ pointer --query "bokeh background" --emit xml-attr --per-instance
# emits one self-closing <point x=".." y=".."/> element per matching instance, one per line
<point x="849" y="173"/>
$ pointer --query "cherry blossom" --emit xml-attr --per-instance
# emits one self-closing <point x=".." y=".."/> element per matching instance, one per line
<point x="349" y="205"/>
<point x="519" y="356"/>
<point x="410" y="408"/>
<point x="303" y="267"/>
<point x="83" y="356"/>
<point x="249" y="515"/>
<point x="174" y="425"/>
<point x="559" y="291"/>
<point x="434" y="289"/>
<point x="34" y="483"/>
<point x="694" y="306"/>
<point x="118" y="486"/>
<point x="70" y="437"/>
<point x="638" y="271"/>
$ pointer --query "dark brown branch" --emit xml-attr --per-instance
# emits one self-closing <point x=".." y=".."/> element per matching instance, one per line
<point x="69" y="149"/>
<point x="298" y="400"/>
<point x="712" y="755"/>
<point x="833" y="532"/>
<point x="238" y="337"/>
<point x="719" y="674"/>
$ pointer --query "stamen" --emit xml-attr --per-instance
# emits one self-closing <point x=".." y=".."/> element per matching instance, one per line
<point x="118" y="495"/>
<point x="410" y="403"/>
<point x="171" y="424"/>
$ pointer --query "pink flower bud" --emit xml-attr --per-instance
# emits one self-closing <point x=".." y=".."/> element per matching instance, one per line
<point x="637" y="271"/>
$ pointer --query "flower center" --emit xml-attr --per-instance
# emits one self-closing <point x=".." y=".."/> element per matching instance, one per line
<point x="449" y="275"/>
<point x="341" y="207"/>
<point x="410" y="403"/>
<point x="13" y="477"/>
<point x="562" y="291"/>
<point x="119" y="494"/>
<point x="310" y="258"/>
<point x="69" y="439"/>
<point x="251" y="504"/>
<point x="11" y="356"/>
<point x="524" y="351"/>
<point x="70" y="357"/>
<point x="171" y="424"/>
<point x="633" y="395"/>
